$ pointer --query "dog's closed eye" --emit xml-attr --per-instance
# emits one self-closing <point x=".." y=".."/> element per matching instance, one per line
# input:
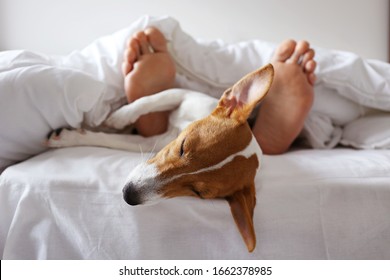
<point x="182" y="147"/>
<point x="196" y="192"/>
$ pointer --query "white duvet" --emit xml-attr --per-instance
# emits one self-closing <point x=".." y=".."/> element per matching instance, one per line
<point x="67" y="203"/>
<point x="40" y="93"/>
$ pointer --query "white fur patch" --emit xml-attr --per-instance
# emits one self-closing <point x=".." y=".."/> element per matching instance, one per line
<point x="143" y="177"/>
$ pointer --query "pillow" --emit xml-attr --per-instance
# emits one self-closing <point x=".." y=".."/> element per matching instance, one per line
<point x="369" y="132"/>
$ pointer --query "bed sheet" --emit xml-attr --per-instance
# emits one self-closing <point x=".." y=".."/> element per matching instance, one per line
<point x="311" y="204"/>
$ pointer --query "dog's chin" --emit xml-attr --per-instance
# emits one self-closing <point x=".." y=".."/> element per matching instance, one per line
<point x="149" y="202"/>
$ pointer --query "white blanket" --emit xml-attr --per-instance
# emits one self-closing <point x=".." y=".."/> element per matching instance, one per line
<point x="40" y="93"/>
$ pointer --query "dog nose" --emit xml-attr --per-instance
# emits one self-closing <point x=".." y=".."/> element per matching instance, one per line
<point x="131" y="195"/>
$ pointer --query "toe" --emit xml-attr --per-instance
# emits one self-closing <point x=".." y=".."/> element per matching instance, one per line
<point x="156" y="39"/>
<point x="130" y="56"/>
<point x="143" y="43"/>
<point x="312" y="78"/>
<point x="126" y="68"/>
<point x="284" y="51"/>
<point x="301" y="48"/>
<point x="308" y="56"/>
<point x="310" y="66"/>
<point x="133" y="46"/>
<point x="134" y="50"/>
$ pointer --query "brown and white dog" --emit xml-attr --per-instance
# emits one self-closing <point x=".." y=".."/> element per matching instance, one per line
<point x="216" y="156"/>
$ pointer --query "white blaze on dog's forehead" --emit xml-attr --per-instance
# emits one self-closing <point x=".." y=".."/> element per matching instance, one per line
<point x="251" y="149"/>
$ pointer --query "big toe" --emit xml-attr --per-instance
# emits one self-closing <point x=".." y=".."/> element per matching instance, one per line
<point x="301" y="49"/>
<point x="156" y="39"/>
<point x="284" y="51"/>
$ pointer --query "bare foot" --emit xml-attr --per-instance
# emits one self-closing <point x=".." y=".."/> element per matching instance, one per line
<point x="283" y="112"/>
<point x="148" y="69"/>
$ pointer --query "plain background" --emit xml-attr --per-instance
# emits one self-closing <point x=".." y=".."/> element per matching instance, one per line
<point x="58" y="26"/>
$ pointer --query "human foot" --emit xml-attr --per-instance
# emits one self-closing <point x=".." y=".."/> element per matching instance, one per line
<point x="148" y="68"/>
<point x="283" y="112"/>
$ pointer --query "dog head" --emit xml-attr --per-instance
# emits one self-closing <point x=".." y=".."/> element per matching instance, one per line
<point x="215" y="157"/>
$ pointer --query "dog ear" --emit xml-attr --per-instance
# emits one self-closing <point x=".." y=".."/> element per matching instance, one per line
<point x="239" y="101"/>
<point x="242" y="204"/>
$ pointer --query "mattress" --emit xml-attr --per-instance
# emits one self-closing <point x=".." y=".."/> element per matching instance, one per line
<point x="311" y="204"/>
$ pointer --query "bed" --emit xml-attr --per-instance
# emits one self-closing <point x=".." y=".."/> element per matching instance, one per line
<point x="327" y="202"/>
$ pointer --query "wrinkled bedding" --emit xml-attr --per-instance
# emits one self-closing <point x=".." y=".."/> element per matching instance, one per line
<point x="311" y="204"/>
<point x="40" y="93"/>
<point x="320" y="203"/>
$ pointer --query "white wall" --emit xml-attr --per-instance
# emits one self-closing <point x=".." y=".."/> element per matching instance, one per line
<point x="59" y="26"/>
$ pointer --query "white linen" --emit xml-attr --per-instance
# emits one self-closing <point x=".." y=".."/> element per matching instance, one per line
<point x="37" y="97"/>
<point x="39" y="93"/>
<point x="311" y="204"/>
<point x="67" y="203"/>
<point x="370" y="132"/>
